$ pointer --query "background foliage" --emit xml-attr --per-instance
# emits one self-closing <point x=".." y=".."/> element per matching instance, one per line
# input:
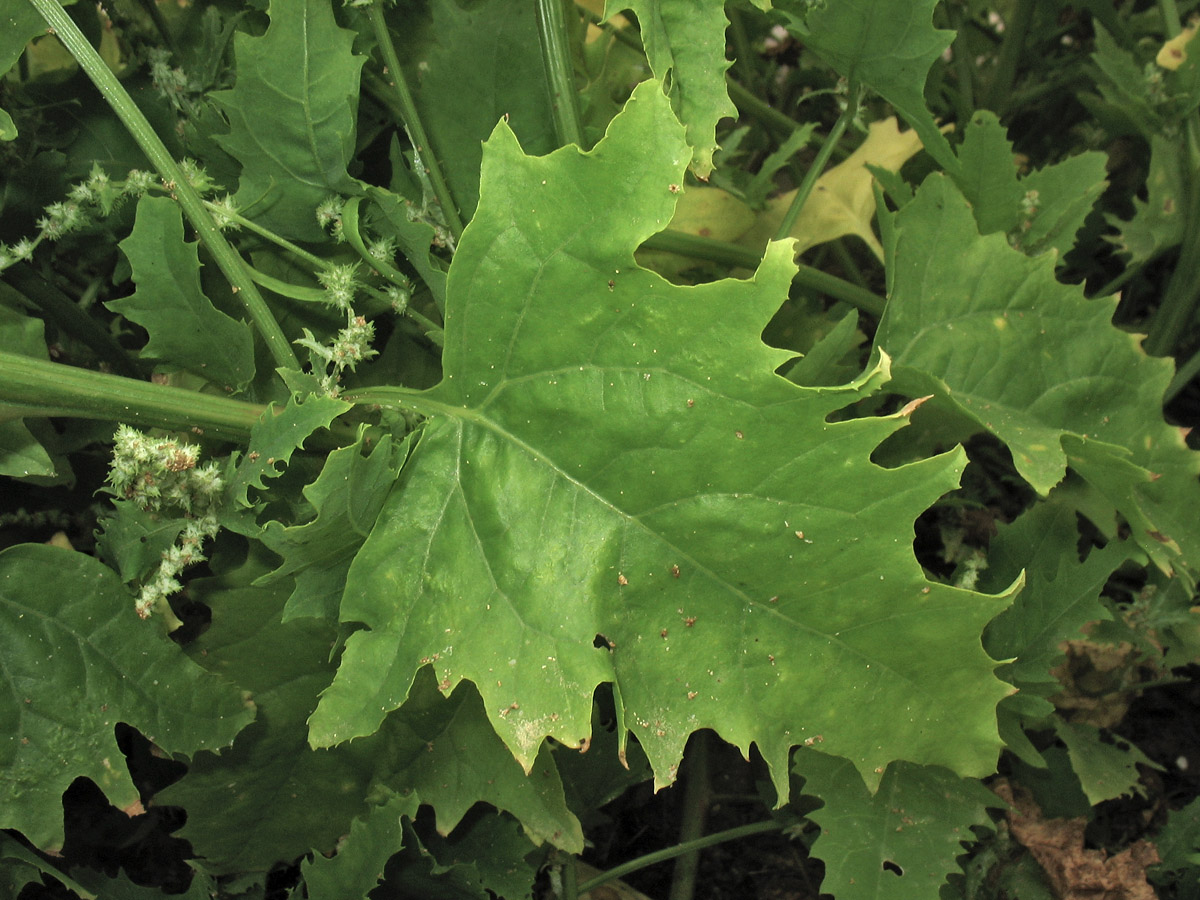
<point x="536" y="405"/>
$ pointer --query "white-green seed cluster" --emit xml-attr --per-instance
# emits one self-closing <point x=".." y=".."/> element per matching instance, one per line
<point x="163" y="475"/>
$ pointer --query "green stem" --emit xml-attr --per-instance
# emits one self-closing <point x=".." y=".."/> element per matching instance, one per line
<point x="354" y="239"/>
<point x="751" y="104"/>
<point x="650" y="859"/>
<point x="1010" y="56"/>
<point x="697" y="796"/>
<point x="1183" y="290"/>
<point x="253" y="227"/>
<point x="33" y="387"/>
<point x="818" y="166"/>
<point x="570" y="879"/>
<point x="412" y="121"/>
<point x="31" y="288"/>
<point x="1183" y="376"/>
<point x="735" y="255"/>
<point x="135" y="122"/>
<point x="964" y="96"/>
<point x="560" y="72"/>
<point x="1171" y="18"/>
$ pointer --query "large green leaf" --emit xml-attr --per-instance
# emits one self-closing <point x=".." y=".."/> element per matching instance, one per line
<point x="185" y="328"/>
<point x="989" y="330"/>
<point x="292" y="115"/>
<point x="612" y="459"/>
<point x="899" y="844"/>
<point x="685" y="44"/>
<point x="885" y="45"/>
<point x="78" y="660"/>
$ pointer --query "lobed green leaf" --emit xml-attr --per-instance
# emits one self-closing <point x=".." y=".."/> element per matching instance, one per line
<point x="611" y="460"/>
<point x="78" y="660"/>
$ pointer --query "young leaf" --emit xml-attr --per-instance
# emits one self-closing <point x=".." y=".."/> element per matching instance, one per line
<point x="78" y="660"/>
<point x="273" y="440"/>
<point x="886" y="46"/>
<point x="1040" y="211"/>
<point x="1157" y="223"/>
<point x="685" y="44"/>
<point x="900" y="843"/>
<point x="1061" y="594"/>
<point x="612" y="459"/>
<point x="292" y="116"/>
<point x="990" y="331"/>
<point x="358" y="866"/>
<point x="1105" y="770"/>
<point x="185" y="328"/>
<point x="347" y="496"/>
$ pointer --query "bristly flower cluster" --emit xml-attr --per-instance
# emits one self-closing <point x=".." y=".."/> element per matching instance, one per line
<point x="162" y="475"/>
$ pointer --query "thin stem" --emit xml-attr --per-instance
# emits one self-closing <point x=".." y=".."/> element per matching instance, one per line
<point x="752" y="105"/>
<point x="412" y="121"/>
<point x="697" y="796"/>
<point x="226" y="258"/>
<point x="818" y="166"/>
<point x="735" y="255"/>
<point x="1183" y="376"/>
<point x="354" y="239"/>
<point x="1171" y="19"/>
<point x="1183" y="290"/>
<point x="1010" y="56"/>
<point x="964" y="97"/>
<point x="650" y="859"/>
<point x="33" y="387"/>
<point x="283" y="243"/>
<point x="560" y="72"/>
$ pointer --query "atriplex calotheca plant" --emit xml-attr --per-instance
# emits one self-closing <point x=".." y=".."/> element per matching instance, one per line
<point x="639" y="342"/>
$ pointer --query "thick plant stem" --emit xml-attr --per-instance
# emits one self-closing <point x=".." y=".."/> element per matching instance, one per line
<point x="650" y="859"/>
<point x="242" y="222"/>
<point x="226" y="258"/>
<point x="560" y="72"/>
<point x="696" y="799"/>
<point x="32" y="387"/>
<point x="818" y="166"/>
<point x="735" y="255"/>
<point x="412" y="121"/>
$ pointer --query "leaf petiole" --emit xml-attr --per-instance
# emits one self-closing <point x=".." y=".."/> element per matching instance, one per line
<point x="36" y="387"/>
